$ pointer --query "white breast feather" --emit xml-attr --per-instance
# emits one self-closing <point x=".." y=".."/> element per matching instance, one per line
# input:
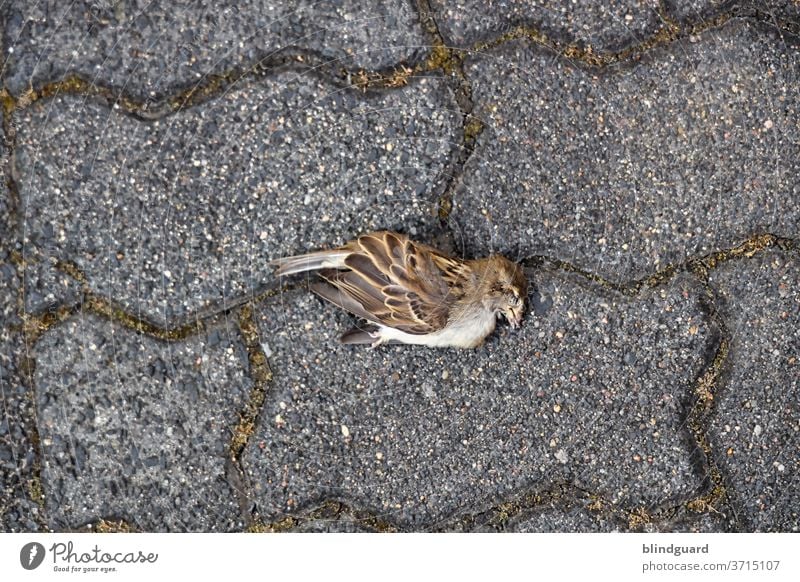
<point x="466" y="333"/>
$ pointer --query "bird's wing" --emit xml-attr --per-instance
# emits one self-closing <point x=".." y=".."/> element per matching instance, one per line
<point x="391" y="280"/>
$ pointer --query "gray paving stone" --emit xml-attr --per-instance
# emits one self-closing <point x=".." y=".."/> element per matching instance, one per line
<point x="180" y="215"/>
<point x="137" y="429"/>
<point x="605" y="26"/>
<point x="625" y="170"/>
<point x="151" y="48"/>
<point x="590" y="391"/>
<point x="756" y="426"/>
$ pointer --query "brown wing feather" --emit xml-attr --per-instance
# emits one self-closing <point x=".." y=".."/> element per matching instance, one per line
<point x="343" y="300"/>
<point x="353" y="286"/>
<point x="393" y="281"/>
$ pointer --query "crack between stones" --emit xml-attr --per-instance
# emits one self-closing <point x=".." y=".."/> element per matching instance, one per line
<point x="670" y="32"/>
<point x="716" y="496"/>
<point x="450" y="62"/>
<point x="708" y="262"/>
<point x="712" y="497"/>
<point x="210" y="87"/>
<point x="563" y="493"/>
<point x="261" y="375"/>
<point x="35" y="324"/>
<point x="496" y="517"/>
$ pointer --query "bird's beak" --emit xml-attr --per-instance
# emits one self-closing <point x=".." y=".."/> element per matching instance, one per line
<point x="514" y="317"/>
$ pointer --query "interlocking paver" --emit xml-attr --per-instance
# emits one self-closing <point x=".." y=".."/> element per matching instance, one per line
<point x="151" y="48"/>
<point x="626" y="170"/>
<point x="756" y="425"/>
<point x="180" y="215"/>
<point x="138" y="429"/>
<point x="605" y="26"/>
<point x="418" y="435"/>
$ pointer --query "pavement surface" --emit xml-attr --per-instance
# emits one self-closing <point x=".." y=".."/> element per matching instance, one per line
<point x="639" y="158"/>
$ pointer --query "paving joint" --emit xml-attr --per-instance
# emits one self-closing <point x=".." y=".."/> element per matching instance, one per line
<point x="450" y="62"/>
<point x="209" y="88"/>
<point x="670" y="32"/>
<point x="746" y="249"/>
<point x="261" y="375"/>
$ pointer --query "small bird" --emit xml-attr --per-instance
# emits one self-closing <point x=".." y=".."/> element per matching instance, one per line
<point x="412" y="293"/>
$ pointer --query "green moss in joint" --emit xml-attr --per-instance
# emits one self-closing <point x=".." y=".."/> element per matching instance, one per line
<point x="472" y="129"/>
<point x="260" y="373"/>
<point x="442" y="58"/>
<point x="113" y="526"/>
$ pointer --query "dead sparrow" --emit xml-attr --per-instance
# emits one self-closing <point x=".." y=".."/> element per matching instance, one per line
<point x="413" y="293"/>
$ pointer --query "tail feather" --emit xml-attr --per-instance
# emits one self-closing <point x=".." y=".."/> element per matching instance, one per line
<point x="310" y="262"/>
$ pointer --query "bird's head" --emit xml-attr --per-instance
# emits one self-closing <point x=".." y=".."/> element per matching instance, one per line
<point x="506" y="289"/>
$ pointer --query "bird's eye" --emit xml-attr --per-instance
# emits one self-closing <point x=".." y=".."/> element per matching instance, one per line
<point x="514" y="300"/>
